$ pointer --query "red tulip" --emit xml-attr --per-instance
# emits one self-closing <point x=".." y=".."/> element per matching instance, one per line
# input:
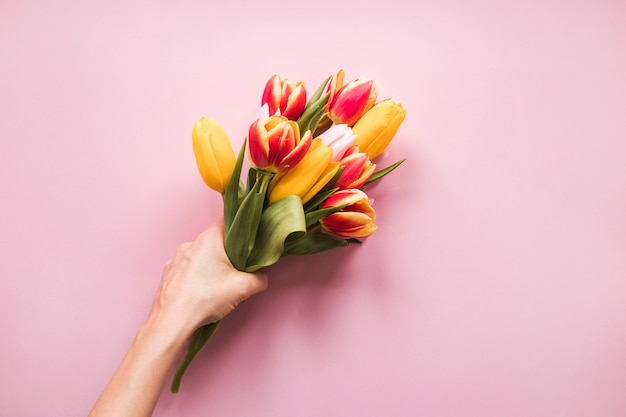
<point x="274" y="144"/>
<point x="356" y="220"/>
<point x="284" y="97"/>
<point x="352" y="100"/>
<point x="357" y="168"/>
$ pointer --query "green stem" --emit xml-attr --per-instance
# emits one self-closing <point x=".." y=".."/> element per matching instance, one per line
<point x="240" y="238"/>
<point x="196" y="343"/>
<point x="238" y="244"/>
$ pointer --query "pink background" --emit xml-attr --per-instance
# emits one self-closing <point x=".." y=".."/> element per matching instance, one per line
<point x="495" y="285"/>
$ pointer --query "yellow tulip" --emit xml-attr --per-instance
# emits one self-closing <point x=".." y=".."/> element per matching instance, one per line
<point x="214" y="153"/>
<point x="378" y="126"/>
<point x="308" y="177"/>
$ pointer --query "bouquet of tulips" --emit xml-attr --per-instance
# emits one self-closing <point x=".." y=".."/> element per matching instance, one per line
<point x="310" y="160"/>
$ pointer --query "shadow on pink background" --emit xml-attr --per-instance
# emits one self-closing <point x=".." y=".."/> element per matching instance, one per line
<point x="495" y="285"/>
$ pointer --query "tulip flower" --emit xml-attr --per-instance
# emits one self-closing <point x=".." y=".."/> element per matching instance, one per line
<point x="355" y="220"/>
<point x="339" y="138"/>
<point x="335" y="84"/>
<point x="284" y="97"/>
<point x="307" y="178"/>
<point x="352" y="101"/>
<point x="214" y="154"/>
<point x="378" y="126"/>
<point x="274" y="144"/>
<point x="357" y="168"/>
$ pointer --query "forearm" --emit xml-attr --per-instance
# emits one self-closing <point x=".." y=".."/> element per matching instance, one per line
<point x="136" y="385"/>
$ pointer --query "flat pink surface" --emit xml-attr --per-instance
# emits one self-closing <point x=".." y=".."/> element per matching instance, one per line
<point x="495" y="285"/>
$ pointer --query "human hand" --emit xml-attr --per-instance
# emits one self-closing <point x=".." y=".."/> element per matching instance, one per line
<point x="200" y="286"/>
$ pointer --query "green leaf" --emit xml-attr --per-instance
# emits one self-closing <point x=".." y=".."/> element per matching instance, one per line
<point x="313" y="111"/>
<point x="314" y="216"/>
<point x="355" y="241"/>
<point x="315" y="120"/>
<point x="196" y="343"/>
<point x="317" y="200"/>
<point x="281" y="220"/>
<point x="251" y="179"/>
<point x="319" y="91"/>
<point x="240" y="238"/>
<point x="231" y="194"/>
<point x="379" y="174"/>
<point x="333" y="180"/>
<point x="313" y="243"/>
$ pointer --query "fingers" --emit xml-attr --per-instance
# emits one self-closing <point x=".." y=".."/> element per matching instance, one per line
<point x="261" y="281"/>
<point x="180" y="253"/>
<point x="214" y="231"/>
<point x="201" y="281"/>
<point x="183" y="248"/>
<point x="252" y="283"/>
<point x="213" y="234"/>
<point x="219" y="225"/>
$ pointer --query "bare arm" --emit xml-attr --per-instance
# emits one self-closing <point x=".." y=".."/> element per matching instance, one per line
<point x="199" y="286"/>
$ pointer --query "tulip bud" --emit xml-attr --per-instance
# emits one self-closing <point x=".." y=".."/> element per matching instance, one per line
<point x="274" y="144"/>
<point x="339" y="138"/>
<point x="357" y="169"/>
<point x="284" y="97"/>
<point x="307" y="178"/>
<point x="335" y="84"/>
<point x="378" y="126"/>
<point x="214" y="154"/>
<point x="352" y="101"/>
<point x="356" y="220"/>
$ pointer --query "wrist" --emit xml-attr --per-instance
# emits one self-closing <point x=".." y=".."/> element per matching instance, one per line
<point x="163" y="334"/>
